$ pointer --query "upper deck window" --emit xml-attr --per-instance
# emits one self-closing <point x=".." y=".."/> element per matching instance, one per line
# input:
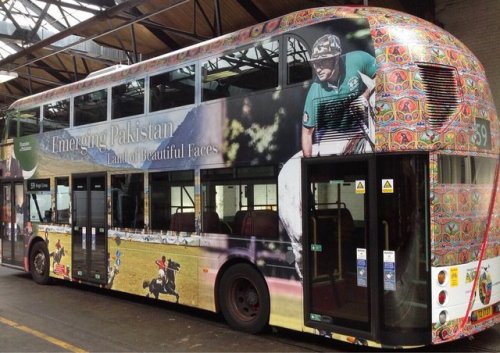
<point x="9" y="125"/>
<point x="91" y="107"/>
<point x="297" y="61"/>
<point x="466" y="169"/>
<point x="127" y="99"/>
<point x="172" y="89"/>
<point x="56" y="115"/>
<point x="241" y="72"/>
<point x="29" y="121"/>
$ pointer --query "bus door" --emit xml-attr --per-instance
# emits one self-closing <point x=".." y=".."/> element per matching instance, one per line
<point x="89" y="228"/>
<point x="12" y="223"/>
<point x="336" y="220"/>
<point x="366" y="231"/>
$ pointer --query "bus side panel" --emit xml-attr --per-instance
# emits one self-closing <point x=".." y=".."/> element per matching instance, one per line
<point x="459" y="215"/>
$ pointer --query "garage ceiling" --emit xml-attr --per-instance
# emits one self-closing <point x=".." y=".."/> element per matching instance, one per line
<point x="49" y="43"/>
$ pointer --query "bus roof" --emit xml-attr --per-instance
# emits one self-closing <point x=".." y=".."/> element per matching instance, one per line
<point x="377" y="17"/>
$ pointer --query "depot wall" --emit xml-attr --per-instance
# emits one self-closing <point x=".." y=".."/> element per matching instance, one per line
<point x="477" y="25"/>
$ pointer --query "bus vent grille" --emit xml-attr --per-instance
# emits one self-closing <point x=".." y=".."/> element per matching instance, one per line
<point x="443" y="96"/>
<point x="340" y="119"/>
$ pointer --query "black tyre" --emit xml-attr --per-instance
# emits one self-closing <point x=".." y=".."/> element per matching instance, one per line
<point x="40" y="263"/>
<point x="244" y="299"/>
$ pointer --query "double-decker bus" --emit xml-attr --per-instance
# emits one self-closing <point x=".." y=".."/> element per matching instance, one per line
<point x="332" y="171"/>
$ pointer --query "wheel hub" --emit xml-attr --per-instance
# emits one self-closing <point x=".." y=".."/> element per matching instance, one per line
<point x="252" y="298"/>
<point x="39" y="262"/>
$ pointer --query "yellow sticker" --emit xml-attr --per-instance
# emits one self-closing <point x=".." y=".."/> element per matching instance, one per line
<point x="360" y="187"/>
<point x="387" y="186"/>
<point x="454" y="277"/>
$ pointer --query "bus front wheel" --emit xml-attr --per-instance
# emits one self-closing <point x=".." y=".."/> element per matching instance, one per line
<point x="40" y="263"/>
<point x="244" y="298"/>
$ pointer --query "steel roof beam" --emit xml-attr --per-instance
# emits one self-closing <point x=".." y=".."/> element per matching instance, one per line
<point x="51" y="71"/>
<point x="101" y="3"/>
<point x="81" y="27"/>
<point x="17" y="86"/>
<point x="53" y="21"/>
<point x="9" y="15"/>
<point x="41" y="17"/>
<point x="158" y="33"/>
<point x="71" y="6"/>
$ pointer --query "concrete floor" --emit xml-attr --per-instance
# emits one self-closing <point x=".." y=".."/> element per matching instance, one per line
<point x="65" y="317"/>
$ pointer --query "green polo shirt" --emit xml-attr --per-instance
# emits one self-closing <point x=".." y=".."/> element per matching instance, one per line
<point x="350" y="84"/>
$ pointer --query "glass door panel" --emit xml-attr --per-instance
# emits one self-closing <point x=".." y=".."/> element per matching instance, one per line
<point x="337" y="218"/>
<point x="12" y="223"/>
<point x="89" y="228"/>
<point x="403" y="235"/>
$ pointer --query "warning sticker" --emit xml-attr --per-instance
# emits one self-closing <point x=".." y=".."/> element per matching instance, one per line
<point x="387" y="186"/>
<point x="362" y="277"/>
<point x="454" y="277"/>
<point x="360" y="187"/>
<point x="389" y="270"/>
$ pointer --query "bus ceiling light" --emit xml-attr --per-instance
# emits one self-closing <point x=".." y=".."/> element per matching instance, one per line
<point x="441" y="277"/>
<point x="7" y="76"/>
<point x="442" y="317"/>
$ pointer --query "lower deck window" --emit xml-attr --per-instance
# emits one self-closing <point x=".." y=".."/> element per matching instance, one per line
<point x="240" y="201"/>
<point x="172" y="201"/>
<point x="128" y="200"/>
<point x="62" y="200"/>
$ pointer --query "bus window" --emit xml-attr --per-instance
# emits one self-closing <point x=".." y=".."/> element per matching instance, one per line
<point x="10" y="125"/>
<point x="29" y="121"/>
<point x="172" y="201"/>
<point x="3" y="126"/>
<point x="62" y="200"/>
<point x="241" y="201"/>
<point x="241" y="72"/>
<point x="297" y="61"/>
<point x="454" y="169"/>
<point x="40" y="200"/>
<point x="127" y="99"/>
<point x="56" y="115"/>
<point x="91" y="107"/>
<point x="172" y="89"/>
<point x="483" y="170"/>
<point x="127" y="200"/>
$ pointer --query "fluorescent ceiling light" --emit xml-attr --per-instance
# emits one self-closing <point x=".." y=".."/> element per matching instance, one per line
<point x="7" y="76"/>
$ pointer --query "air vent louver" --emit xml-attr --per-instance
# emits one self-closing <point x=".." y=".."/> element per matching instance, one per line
<point x="443" y="96"/>
<point x="340" y="119"/>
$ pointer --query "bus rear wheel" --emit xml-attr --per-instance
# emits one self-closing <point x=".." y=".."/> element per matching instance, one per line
<point x="40" y="263"/>
<point x="244" y="299"/>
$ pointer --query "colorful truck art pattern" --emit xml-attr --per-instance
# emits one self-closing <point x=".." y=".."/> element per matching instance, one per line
<point x="457" y="213"/>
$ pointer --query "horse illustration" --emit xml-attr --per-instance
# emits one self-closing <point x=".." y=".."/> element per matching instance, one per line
<point x="57" y="255"/>
<point x="157" y="286"/>
<point x="112" y="272"/>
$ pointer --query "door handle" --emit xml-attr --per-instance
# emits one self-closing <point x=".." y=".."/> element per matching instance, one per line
<point x="84" y="238"/>
<point x="386" y="234"/>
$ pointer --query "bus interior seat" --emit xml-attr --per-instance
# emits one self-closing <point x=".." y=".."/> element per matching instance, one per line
<point x="182" y="222"/>
<point x="327" y="235"/>
<point x="211" y="222"/>
<point x="261" y="223"/>
<point x="238" y="221"/>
